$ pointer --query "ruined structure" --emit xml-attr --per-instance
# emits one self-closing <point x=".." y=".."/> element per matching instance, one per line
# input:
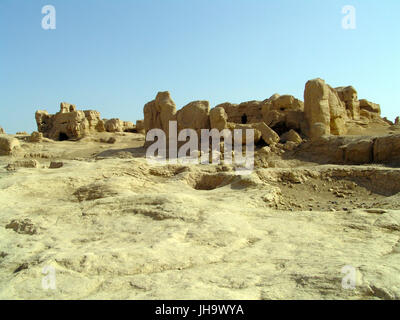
<point x="8" y="145"/>
<point x="325" y="111"/>
<point x="70" y="123"/>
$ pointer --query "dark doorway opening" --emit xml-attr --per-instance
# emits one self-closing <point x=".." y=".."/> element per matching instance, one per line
<point x="62" y="136"/>
<point x="280" y="128"/>
<point x="244" y="118"/>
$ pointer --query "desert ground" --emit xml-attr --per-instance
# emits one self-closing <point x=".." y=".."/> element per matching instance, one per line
<point x="114" y="226"/>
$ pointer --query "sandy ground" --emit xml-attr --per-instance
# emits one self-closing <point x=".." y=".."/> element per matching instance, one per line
<point x="115" y="227"/>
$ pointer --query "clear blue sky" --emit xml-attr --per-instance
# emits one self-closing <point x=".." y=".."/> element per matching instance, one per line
<point x="115" y="55"/>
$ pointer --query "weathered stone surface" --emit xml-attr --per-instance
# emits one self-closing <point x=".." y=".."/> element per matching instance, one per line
<point x="152" y="118"/>
<point x="230" y="109"/>
<point x="282" y="103"/>
<point x="291" y="136"/>
<point x="280" y="112"/>
<point x="66" y="124"/>
<point x="369" y="109"/>
<point x="66" y="107"/>
<point x="36" y="137"/>
<point x="290" y="145"/>
<point x="100" y="127"/>
<point x="56" y="164"/>
<point x="274" y="118"/>
<point x="114" y="125"/>
<point x="318" y="130"/>
<point x="295" y="120"/>
<point x="267" y="105"/>
<point x="338" y="113"/>
<point x="397" y="121"/>
<point x="2" y="131"/>
<point x="347" y="93"/>
<point x="22" y="164"/>
<point x="44" y="121"/>
<point x="387" y="149"/>
<point x="349" y="96"/>
<point x="140" y="126"/>
<point x="353" y="110"/>
<point x="356" y="108"/>
<point x="218" y="118"/>
<point x="129" y="126"/>
<point x="268" y="135"/>
<point x="70" y="123"/>
<point x="325" y="149"/>
<point x="243" y="113"/>
<point x="167" y="108"/>
<point x="353" y="150"/>
<point x="386" y="120"/>
<point x="364" y="114"/>
<point x="8" y="144"/>
<point x="323" y="105"/>
<point x="287" y="103"/>
<point x="359" y="152"/>
<point x="95" y="123"/>
<point x="325" y="111"/>
<point x="316" y="107"/>
<point x="194" y="115"/>
<point x="159" y="112"/>
<point x="244" y="127"/>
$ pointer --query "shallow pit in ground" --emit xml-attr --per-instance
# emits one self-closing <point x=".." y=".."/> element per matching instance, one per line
<point x="208" y="181"/>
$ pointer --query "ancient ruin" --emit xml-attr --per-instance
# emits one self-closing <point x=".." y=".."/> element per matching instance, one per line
<point x="325" y="111"/>
<point x="323" y="192"/>
<point x="70" y="123"/>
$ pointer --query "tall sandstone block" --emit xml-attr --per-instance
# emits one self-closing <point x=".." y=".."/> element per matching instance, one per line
<point x="324" y="112"/>
<point x="195" y="115"/>
<point x="159" y="112"/>
<point x="349" y="96"/>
